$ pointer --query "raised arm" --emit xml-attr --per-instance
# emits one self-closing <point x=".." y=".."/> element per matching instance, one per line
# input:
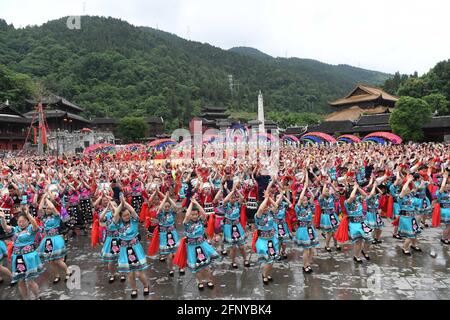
<point x="302" y="194"/>
<point x="51" y="206"/>
<point x="405" y="189"/>
<point x="353" y="194"/>
<point x="187" y="217"/>
<point x="31" y="219"/>
<point x="444" y="182"/>
<point x="161" y="206"/>
<point x="5" y="227"/>
<point x="117" y="212"/>
<point x="263" y="205"/>
<point x="103" y="214"/>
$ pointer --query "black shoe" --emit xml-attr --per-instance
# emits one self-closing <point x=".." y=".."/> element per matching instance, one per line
<point x="284" y="256"/>
<point x="374" y="241"/>
<point x="269" y="278"/>
<point x="56" y="280"/>
<point x="379" y="241"/>
<point x="234" y="265"/>
<point x="134" y="294"/>
<point x="265" y="280"/>
<point x="68" y="275"/>
<point x="201" y="286"/>
<point x="171" y="273"/>
<point x="416" y="249"/>
<point x="407" y="253"/>
<point x="445" y="241"/>
<point x="162" y="259"/>
<point x="1" y="280"/>
<point x="182" y="272"/>
<point x="247" y="264"/>
<point x="338" y="248"/>
<point x="365" y="255"/>
<point x="210" y="285"/>
<point x="307" y="269"/>
<point x="224" y="252"/>
<point x="123" y="278"/>
<point x="146" y="291"/>
<point x="111" y="279"/>
<point x="396" y="236"/>
<point x="328" y="249"/>
<point x="357" y="260"/>
<point x="324" y="235"/>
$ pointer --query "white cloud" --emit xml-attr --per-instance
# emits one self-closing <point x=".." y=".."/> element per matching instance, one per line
<point x="385" y="35"/>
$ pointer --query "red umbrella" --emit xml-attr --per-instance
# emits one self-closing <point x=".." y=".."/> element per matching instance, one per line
<point x="86" y="130"/>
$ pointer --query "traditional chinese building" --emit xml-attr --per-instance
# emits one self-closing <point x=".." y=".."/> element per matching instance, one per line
<point x="60" y="114"/>
<point x="13" y="127"/>
<point x="367" y="109"/>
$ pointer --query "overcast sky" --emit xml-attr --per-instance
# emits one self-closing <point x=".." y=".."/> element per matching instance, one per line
<point x="384" y="35"/>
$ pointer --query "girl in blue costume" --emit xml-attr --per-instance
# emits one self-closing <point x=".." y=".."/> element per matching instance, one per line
<point x="373" y="215"/>
<point x="283" y="232"/>
<point x="424" y="210"/>
<point x="168" y="235"/>
<point x="52" y="248"/>
<point x="306" y="235"/>
<point x="132" y="258"/>
<point x="233" y="233"/>
<point x="25" y="261"/>
<point x="3" y="254"/>
<point x="111" y="246"/>
<point x="408" y="225"/>
<point x="394" y="190"/>
<point x="267" y="245"/>
<point x="443" y="197"/>
<point x="358" y="231"/>
<point x="329" y="219"/>
<point x="200" y="253"/>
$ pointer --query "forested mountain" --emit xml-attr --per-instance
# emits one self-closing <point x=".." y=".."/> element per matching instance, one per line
<point x="112" y="68"/>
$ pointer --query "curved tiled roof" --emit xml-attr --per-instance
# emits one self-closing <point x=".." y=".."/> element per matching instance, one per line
<point x="370" y="94"/>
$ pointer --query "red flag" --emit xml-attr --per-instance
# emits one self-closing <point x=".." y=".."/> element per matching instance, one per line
<point x="290" y="217"/>
<point x="341" y="234"/>
<point x="154" y="245"/>
<point x="436" y="216"/>
<point x="396" y="222"/>
<point x="180" y="258"/>
<point x="390" y="207"/>
<point x="10" y="250"/>
<point x="95" y="233"/>
<point x="317" y="215"/>
<point x="143" y="212"/>
<point x="210" y="228"/>
<point x="243" y="216"/>
<point x="254" y="239"/>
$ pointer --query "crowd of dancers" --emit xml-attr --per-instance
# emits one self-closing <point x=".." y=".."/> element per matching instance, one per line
<point x="128" y="206"/>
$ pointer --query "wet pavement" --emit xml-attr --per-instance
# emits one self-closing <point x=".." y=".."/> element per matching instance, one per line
<point x="388" y="275"/>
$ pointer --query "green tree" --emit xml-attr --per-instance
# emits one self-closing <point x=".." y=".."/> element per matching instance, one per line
<point x="438" y="103"/>
<point x="413" y="87"/>
<point x="408" y="117"/>
<point x="132" y="129"/>
<point x="15" y="87"/>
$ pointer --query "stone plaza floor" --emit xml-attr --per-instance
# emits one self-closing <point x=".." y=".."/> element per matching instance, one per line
<point x="388" y="275"/>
